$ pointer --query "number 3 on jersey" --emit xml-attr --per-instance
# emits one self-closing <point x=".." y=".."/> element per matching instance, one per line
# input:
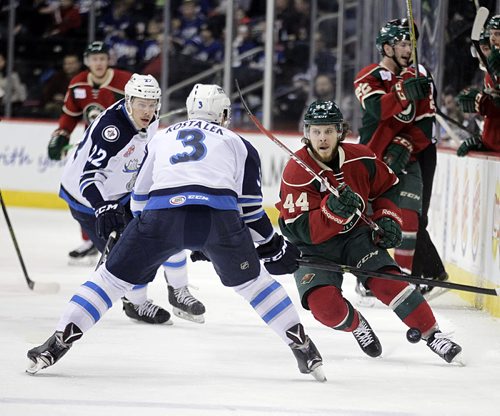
<point x="193" y="138"/>
<point x="301" y="203"/>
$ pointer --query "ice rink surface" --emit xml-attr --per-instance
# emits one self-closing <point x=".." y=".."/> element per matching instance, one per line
<point x="231" y="365"/>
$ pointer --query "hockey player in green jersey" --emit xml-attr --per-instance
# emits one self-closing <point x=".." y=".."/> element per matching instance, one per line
<point x="324" y="226"/>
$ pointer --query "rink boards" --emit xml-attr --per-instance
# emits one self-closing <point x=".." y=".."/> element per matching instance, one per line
<point x="464" y="214"/>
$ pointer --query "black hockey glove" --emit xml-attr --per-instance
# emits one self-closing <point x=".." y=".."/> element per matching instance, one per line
<point x="279" y="256"/>
<point x="198" y="255"/>
<point x="397" y="155"/>
<point x="494" y="61"/>
<point x="471" y="143"/>
<point x="346" y="204"/>
<point x="57" y="144"/>
<point x="392" y="236"/>
<point x="468" y="100"/>
<point x="417" y="88"/>
<point x="110" y="216"/>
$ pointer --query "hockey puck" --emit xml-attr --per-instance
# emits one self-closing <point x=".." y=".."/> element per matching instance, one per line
<point x="413" y="335"/>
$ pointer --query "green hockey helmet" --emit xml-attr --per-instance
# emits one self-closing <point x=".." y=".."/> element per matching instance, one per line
<point x="96" y="47"/>
<point x="484" y="37"/>
<point x="494" y="23"/>
<point x="323" y="112"/>
<point x="392" y="32"/>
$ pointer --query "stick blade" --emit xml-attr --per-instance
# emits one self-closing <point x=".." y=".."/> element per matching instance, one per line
<point x="46" y="288"/>
<point x="481" y="17"/>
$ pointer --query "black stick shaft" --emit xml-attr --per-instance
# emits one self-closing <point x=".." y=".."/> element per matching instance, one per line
<point x="112" y="239"/>
<point x="334" y="267"/>
<point x="30" y="282"/>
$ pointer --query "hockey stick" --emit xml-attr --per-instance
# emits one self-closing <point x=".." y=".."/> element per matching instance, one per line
<point x="481" y="17"/>
<point x="413" y="37"/>
<point x="39" y="287"/>
<point x="334" y="267"/>
<point x="442" y="121"/>
<point x="112" y="239"/>
<point x="297" y="159"/>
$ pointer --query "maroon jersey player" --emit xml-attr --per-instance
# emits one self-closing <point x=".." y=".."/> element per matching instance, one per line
<point x="324" y="226"/>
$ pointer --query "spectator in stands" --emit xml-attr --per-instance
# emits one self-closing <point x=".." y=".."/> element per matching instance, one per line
<point x="323" y="87"/>
<point x="18" y="89"/>
<point x="55" y="88"/>
<point x="204" y="47"/>
<point x="189" y="23"/>
<point x="66" y="20"/>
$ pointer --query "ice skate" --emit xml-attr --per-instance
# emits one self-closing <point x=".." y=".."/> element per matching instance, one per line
<point x="53" y="349"/>
<point x="444" y="347"/>
<point x="365" y="296"/>
<point x="366" y="338"/>
<point x="307" y="355"/>
<point x="147" y="312"/>
<point x="185" y="305"/>
<point x="84" y="255"/>
<point x="432" y="292"/>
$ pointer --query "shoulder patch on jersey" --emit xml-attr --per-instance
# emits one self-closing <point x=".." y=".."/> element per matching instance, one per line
<point x="80" y="93"/>
<point x="110" y="133"/>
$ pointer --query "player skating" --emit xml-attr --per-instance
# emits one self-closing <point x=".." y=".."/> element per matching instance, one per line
<point x="97" y="183"/>
<point x="89" y="93"/>
<point x="195" y="179"/>
<point x="325" y="226"/>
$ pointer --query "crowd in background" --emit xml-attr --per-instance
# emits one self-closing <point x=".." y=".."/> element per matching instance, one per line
<point x="51" y="35"/>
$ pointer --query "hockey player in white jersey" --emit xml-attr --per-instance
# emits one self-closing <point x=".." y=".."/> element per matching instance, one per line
<point x="198" y="189"/>
<point x="98" y="180"/>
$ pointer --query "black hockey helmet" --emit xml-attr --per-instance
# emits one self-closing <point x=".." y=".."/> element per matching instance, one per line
<point x="323" y="112"/>
<point x="95" y="48"/>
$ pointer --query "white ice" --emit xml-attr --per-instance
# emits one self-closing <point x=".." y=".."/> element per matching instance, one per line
<point x="231" y="365"/>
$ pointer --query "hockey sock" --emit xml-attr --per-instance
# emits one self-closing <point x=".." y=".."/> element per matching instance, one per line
<point x="175" y="269"/>
<point x="92" y="300"/>
<point x="138" y="295"/>
<point x="330" y="308"/>
<point x="404" y="253"/>
<point x="271" y="302"/>
<point x="85" y="237"/>
<point x="408" y="303"/>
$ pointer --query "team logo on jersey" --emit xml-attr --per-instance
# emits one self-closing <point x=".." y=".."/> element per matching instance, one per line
<point x="177" y="200"/>
<point x="110" y="133"/>
<point x="407" y="115"/>
<point x="91" y="111"/>
<point x="307" y="278"/>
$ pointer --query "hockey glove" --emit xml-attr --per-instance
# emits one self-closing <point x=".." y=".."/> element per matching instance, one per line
<point x="57" y="144"/>
<point x="346" y="204"/>
<point x="397" y="155"/>
<point x="471" y="143"/>
<point x="279" y="256"/>
<point x="494" y="61"/>
<point x="198" y="255"/>
<point x="392" y="235"/>
<point x="110" y="217"/>
<point x="416" y="88"/>
<point x="467" y="100"/>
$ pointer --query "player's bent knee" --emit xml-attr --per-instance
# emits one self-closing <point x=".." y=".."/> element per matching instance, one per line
<point x="328" y="306"/>
<point x="253" y="287"/>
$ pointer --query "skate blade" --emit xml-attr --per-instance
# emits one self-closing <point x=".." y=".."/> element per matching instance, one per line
<point x="35" y="366"/>
<point x="435" y="293"/>
<point x="318" y="373"/>
<point x="87" y="261"/>
<point x="199" y="319"/>
<point x="459" y="360"/>
<point x="365" y="301"/>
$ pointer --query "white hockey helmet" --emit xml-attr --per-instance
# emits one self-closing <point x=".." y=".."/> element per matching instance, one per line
<point x="142" y="86"/>
<point x="209" y="102"/>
